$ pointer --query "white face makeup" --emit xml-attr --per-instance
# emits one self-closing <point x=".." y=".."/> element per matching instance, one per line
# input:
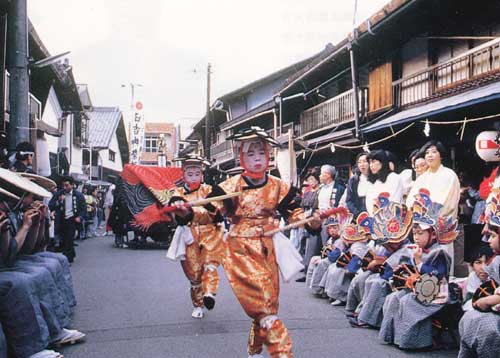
<point x="255" y="157"/>
<point x="193" y="175"/>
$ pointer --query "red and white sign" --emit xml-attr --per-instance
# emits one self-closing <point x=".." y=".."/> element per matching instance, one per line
<point x="138" y="106"/>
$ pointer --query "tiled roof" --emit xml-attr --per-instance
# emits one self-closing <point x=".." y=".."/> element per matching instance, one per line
<point x="102" y="125"/>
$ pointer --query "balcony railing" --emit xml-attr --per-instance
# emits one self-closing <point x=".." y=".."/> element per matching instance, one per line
<point x="470" y="70"/>
<point x="222" y="152"/>
<point x="335" y="111"/>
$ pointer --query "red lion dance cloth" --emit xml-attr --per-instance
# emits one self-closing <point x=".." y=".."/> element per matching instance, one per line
<point x="147" y="190"/>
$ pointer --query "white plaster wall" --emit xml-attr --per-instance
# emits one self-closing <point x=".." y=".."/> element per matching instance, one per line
<point x="104" y="156"/>
<point x="51" y="115"/>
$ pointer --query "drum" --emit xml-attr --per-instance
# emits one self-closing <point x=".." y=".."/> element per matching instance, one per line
<point x="488" y="288"/>
<point x="344" y="259"/>
<point x="404" y="277"/>
<point x="426" y="288"/>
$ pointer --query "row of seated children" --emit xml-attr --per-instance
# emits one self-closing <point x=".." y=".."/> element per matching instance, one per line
<point x="402" y="287"/>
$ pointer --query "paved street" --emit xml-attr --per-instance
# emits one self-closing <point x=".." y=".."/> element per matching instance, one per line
<point x="135" y="304"/>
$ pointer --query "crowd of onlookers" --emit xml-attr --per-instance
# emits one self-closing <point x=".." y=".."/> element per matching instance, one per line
<point x="390" y="229"/>
<point x="39" y="223"/>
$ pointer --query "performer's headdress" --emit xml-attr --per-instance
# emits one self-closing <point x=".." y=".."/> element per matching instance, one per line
<point x="391" y="222"/>
<point x="192" y="160"/>
<point x="247" y="137"/>
<point x="339" y="216"/>
<point x="254" y="133"/>
<point x="331" y="221"/>
<point x="427" y="214"/>
<point x="358" y="232"/>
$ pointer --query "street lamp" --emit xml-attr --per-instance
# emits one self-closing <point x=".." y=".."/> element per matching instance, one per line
<point x="132" y="93"/>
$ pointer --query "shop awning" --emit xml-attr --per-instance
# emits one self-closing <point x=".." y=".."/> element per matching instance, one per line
<point x="465" y="99"/>
<point x="344" y="136"/>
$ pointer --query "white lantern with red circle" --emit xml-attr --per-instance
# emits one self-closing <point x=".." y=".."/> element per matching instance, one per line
<point x="488" y="146"/>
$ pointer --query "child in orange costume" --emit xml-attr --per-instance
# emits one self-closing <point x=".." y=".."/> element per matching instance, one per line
<point x="250" y="262"/>
<point x="205" y="249"/>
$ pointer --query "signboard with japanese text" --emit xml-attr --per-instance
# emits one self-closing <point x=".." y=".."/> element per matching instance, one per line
<point x="136" y="134"/>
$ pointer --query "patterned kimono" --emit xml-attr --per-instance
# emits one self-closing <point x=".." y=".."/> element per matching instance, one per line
<point x="480" y="331"/>
<point x="318" y="267"/>
<point x="338" y="278"/>
<point x="377" y="288"/>
<point x="250" y="263"/>
<point x="407" y="322"/>
<point x="3" y="344"/>
<point x="204" y="255"/>
<point x="356" y="289"/>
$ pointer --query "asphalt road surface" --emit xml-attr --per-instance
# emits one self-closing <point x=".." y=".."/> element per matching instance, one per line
<point x="135" y="304"/>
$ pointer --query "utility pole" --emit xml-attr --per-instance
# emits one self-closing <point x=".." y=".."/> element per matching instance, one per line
<point x="18" y="68"/>
<point x="207" y="116"/>
<point x="354" y="75"/>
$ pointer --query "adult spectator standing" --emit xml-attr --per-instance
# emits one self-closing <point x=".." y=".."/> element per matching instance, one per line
<point x="310" y="240"/>
<point x="91" y="218"/>
<point x="24" y="158"/>
<point x="442" y="182"/>
<point x="357" y="186"/>
<point x="419" y="166"/>
<point x="329" y="194"/>
<point x="108" y="205"/>
<point x="443" y="185"/>
<point x="69" y="205"/>
<point x="408" y="175"/>
<point x="100" y="209"/>
<point x="382" y="179"/>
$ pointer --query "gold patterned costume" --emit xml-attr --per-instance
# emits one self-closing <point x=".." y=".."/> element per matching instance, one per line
<point x="250" y="261"/>
<point x="204" y="255"/>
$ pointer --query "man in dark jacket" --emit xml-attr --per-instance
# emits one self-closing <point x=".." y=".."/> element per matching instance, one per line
<point x="69" y="207"/>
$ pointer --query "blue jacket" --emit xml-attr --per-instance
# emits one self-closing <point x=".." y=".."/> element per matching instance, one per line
<point x="354" y="202"/>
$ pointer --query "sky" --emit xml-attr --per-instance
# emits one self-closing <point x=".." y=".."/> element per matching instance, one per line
<point x="165" y="45"/>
